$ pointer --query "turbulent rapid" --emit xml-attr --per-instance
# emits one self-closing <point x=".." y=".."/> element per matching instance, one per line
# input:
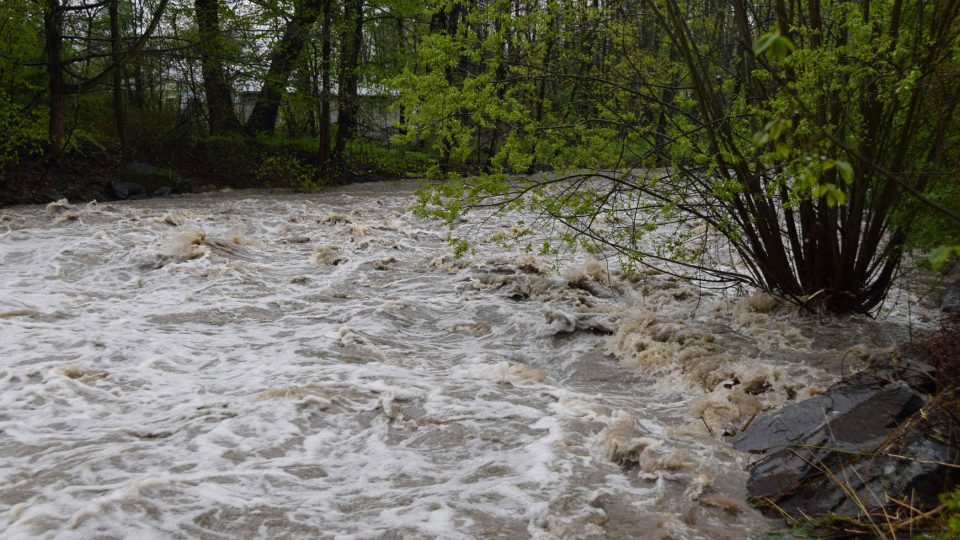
<point x="257" y="365"/>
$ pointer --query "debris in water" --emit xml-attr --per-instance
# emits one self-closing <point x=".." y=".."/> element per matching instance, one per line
<point x="576" y="406"/>
<point x="68" y="216"/>
<point x="532" y="265"/>
<point x="391" y="224"/>
<point x="78" y="373"/>
<point x="335" y="218"/>
<point x="384" y="264"/>
<point x="449" y="264"/>
<point x="727" y="504"/>
<point x="359" y="230"/>
<point x="186" y="245"/>
<point x="59" y="207"/>
<point x="20" y="312"/>
<point x="306" y="394"/>
<point x="171" y="219"/>
<point x="761" y="302"/>
<point x="331" y="255"/>
<point x="561" y="322"/>
<point x="621" y="441"/>
<point x="296" y="240"/>
<point x="510" y="373"/>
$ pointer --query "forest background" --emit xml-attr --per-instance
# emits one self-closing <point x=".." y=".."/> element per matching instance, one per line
<point x="818" y="140"/>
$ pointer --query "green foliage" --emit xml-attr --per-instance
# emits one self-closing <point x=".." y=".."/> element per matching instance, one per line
<point x="933" y="232"/>
<point x="951" y="518"/>
<point x="481" y="107"/>
<point x="386" y="159"/>
<point x="775" y="46"/>
<point x="296" y="145"/>
<point x="802" y="150"/>
<point x="20" y="45"/>
<point x="82" y="142"/>
<point x="940" y="255"/>
<point x="459" y="245"/>
<point x="21" y="134"/>
<point x="287" y="171"/>
<point x="230" y="155"/>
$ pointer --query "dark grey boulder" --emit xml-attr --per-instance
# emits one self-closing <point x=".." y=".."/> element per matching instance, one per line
<point x="814" y="481"/>
<point x="793" y="423"/>
<point x="905" y="367"/>
<point x="151" y="177"/>
<point x="127" y="190"/>
<point x="796" y="421"/>
<point x="840" y="452"/>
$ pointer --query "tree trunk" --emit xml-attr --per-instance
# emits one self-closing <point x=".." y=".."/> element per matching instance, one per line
<point x="324" y="134"/>
<point x="53" y="15"/>
<point x="401" y="113"/>
<point x="119" y="113"/>
<point x="219" y="103"/>
<point x="349" y="60"/>
<point x="53" y="46"/>
<point x="263" y="119"/>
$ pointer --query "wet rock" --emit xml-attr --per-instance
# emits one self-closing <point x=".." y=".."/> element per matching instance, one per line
<point x="950" y="301"/>
<point x="837" y="452"/>
<point x="297" y="240"/>
<point x="565" y="323"/>
<point x="793" y="423"/>
<point x="150" y="177"/>
<point x="798" y="482"/>
<point x="920" y="375"/>
<point x="127" y="190"/>
<point x="595" y="288"/>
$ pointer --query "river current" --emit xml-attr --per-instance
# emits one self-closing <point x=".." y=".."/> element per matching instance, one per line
<point x="260" y="365"/>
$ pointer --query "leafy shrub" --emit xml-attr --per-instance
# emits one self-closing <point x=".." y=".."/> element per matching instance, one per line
<point x="282" y="170"/>
<point x="82" y="143"/>
<point x="299" y="145"/>
<point x="391" y="160"/>
<point x="21" y="134"/>
<point x="230" y="155"/>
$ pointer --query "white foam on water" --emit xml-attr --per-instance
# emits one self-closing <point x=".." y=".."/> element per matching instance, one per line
<point x="265" y="365"/>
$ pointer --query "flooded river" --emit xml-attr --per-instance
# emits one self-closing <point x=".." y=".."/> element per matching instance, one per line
<point x="257" y="365"/>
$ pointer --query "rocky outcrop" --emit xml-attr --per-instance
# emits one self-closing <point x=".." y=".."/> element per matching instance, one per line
<point x="846" y="451"/>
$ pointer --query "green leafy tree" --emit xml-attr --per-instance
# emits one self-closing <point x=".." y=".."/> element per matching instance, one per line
<point x="804" y="143"/>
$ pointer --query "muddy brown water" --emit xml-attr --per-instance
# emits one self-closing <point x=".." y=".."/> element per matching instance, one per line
<point x="261" y="365"/>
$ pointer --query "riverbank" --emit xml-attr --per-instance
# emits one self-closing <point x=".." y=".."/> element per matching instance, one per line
<point x="93" y="172"/>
